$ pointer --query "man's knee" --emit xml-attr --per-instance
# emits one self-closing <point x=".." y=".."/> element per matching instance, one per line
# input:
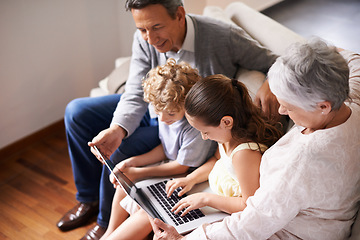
<point x="73" y="108"/>
<point x="75" y="111"/>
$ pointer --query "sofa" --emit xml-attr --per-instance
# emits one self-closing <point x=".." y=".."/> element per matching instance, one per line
<point x="268" y="32"/>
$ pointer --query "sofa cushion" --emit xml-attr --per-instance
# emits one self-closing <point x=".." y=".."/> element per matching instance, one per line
<point x="252" y="80"/>
<point x="353" y="60"/>
<point x="217" y="13"/>
<point x="117" y="78"/>
<point x="99" y="91"/>
<point x="267" y="31"/>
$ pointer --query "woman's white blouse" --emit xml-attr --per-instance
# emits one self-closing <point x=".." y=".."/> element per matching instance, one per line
<point x="309" y="188"/>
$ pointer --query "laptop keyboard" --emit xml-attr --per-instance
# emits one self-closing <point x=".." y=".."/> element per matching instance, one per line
<point x="167" y="203"/>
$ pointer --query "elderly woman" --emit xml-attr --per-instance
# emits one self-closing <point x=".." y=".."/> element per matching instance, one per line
<point x="310" y="178"/>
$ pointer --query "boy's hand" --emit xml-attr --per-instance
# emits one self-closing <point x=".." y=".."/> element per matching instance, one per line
<point x="125" y="164"/>
<point x="113" y="180"/>
<point x="133" y="173"/>
<point x="129" y="171"/>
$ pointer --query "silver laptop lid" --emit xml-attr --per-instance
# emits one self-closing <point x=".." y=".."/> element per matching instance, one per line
<point x="129" y="187"/>
<point x="120" y="177"/>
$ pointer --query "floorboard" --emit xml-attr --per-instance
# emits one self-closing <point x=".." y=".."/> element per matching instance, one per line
<point x="37" y="188"/>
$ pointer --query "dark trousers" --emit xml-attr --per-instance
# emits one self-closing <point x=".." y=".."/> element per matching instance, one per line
<point x="84" y="119"/>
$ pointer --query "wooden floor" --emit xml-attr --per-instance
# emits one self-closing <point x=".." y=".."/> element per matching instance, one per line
<point x="36" y="189"/>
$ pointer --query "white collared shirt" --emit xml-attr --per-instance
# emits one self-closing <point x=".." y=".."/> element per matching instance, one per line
<point x="187" y="51"/>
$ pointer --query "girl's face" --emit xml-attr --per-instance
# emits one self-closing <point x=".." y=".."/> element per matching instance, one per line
<point x="220" y="134"/>
<point x="169" y="117"/>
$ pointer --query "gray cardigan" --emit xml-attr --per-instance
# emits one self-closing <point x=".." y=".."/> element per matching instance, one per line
<point x="220" y="48"/>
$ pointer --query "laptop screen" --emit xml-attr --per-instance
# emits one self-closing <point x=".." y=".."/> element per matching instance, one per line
<point x="124" y="181"/>
<point x="129" y="187"/>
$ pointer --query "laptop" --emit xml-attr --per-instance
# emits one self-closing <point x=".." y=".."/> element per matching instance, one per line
<point x="151" y="196"/>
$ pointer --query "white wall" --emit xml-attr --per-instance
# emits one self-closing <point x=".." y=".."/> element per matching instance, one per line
<point x="52" y="52"/>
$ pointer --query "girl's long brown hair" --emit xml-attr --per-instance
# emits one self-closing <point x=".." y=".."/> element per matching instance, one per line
<point x="216" y="96"/>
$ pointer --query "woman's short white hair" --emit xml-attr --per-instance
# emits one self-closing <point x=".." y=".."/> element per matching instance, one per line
<point x="310" y="73"/>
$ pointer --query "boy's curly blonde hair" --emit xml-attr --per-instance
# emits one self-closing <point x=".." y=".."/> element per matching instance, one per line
<point x="165" y="87"/>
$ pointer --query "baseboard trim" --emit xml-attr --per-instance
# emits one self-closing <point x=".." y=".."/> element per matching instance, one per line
<point x="31" y="139"/>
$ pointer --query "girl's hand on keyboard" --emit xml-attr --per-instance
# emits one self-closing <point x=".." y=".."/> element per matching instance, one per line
<point x="190" y="202"/>
<point x="184" y="183"/>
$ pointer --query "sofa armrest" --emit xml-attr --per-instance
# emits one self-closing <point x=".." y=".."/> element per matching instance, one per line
<point x="117" y="78"/>
<point x="115" y="82"/>
<point x="217" y="13"/>
<point x="267" y="31"/>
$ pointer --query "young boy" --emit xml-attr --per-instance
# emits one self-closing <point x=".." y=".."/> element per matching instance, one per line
<point x="182" y="146"/>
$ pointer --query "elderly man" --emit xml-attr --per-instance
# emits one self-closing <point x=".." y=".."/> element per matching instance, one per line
<point x="121" y="126"/>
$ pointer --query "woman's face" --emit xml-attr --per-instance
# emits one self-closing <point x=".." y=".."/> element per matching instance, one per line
<point x="220" y="134"/>
<point x="312" y="120"/>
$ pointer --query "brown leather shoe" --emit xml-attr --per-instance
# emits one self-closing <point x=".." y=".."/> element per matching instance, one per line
<point x="78" y="216"/>
<point x="94" y="233"/>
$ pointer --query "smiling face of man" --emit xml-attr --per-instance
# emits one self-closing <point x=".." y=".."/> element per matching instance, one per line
<point x="159" y="29"/>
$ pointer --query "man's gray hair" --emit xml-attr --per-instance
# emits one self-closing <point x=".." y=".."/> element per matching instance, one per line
<point x="170" y="5"/>
<point x="310" y="73"/>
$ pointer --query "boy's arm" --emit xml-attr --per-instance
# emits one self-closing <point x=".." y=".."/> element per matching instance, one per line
<point x="161" y="170"/>
<point x="156" y="155"/>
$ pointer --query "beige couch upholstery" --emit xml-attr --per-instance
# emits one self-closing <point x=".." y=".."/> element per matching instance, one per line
<point x="268" y="32"/>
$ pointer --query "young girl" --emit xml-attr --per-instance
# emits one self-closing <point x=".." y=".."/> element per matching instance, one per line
<point x="165" y="87"/>
<point x="222" y="110"/>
